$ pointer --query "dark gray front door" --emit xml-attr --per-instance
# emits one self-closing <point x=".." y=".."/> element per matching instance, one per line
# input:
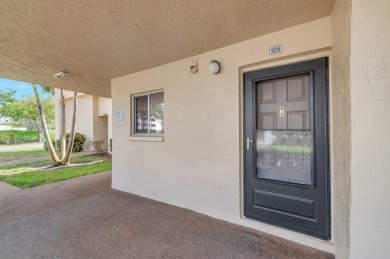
<point x="286" y="147"/>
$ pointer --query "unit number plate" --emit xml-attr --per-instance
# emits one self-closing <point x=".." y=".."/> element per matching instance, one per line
<point x="275" y="49"/>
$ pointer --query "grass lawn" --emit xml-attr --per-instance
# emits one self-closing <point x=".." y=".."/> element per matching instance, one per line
<point x="8" y="155"/>
<point x="35" y="173"/>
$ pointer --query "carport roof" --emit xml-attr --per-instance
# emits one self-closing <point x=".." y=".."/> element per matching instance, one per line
<point x="98" y="40"/>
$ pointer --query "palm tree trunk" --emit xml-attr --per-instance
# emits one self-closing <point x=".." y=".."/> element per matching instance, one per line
<point x="63" y="125"/>
<point x="42" y="119"/>
<point x="40" y="134"/>
<point x="69" y="148"/>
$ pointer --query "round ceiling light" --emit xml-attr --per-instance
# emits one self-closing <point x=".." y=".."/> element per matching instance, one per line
<point x="60" y="74"/>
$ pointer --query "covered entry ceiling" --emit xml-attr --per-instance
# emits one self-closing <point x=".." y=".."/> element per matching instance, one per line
<point x="98" y="40"/>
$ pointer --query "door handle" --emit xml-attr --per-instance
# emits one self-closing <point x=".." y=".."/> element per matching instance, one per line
<point x="247" y="143"/>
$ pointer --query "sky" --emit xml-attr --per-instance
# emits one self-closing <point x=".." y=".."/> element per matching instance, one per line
<point x="23" y="89"/>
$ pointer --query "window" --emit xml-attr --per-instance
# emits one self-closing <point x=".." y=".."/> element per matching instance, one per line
<point x="148" y="113"/>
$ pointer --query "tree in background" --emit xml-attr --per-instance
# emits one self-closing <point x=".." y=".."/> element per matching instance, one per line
<point x="6" y="98"/>
<point x="66" y="151"/>
<point x="23" y="112"/>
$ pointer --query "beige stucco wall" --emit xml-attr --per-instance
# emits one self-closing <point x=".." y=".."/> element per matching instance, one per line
<point x="370" y="96"/>
<point x="340" y="110"/>
<point x="198" y="165"/>
<point x="93" y="117"/>
<point x="104" y="105"/>
<point x="100" y="120"/>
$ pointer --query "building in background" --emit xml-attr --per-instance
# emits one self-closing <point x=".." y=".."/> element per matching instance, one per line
<point x="93" y="117"/>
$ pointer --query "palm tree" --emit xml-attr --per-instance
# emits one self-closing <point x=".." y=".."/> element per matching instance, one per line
<point x="65" y="150"/>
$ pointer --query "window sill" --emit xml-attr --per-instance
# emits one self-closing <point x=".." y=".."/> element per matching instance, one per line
<point x="147" y="138"/>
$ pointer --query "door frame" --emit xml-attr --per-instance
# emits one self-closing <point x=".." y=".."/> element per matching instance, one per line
<point x="282" y="71"/>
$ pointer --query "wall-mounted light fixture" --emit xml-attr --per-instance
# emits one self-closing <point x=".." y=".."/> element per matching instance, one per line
<point x="61" y="74"/>
<point x="214" y="66"/>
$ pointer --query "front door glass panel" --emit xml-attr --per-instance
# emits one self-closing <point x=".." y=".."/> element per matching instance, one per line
<point x="283" y="130"/>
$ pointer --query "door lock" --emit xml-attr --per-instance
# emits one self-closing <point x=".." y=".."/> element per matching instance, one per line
<point x="247" y="143"/>
<point x="281" y="111"/>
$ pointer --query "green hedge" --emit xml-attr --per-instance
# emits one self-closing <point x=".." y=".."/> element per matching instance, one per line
<point x="79" y="140"/>
<point x="18" y="136"/>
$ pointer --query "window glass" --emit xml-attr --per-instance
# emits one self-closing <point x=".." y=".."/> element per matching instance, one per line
<point x="284" y="155"/>
<point x="141" y="114"/>
<point x="149" y="113"/>
<point x="156" y="113"/>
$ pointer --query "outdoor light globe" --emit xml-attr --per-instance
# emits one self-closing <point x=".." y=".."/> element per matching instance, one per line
<point x="214" y="66"/>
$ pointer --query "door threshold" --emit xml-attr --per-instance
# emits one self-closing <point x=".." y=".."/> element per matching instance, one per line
<point x="323" y="245"/>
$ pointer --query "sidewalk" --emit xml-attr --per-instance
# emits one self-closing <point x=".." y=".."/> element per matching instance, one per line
<point x="27" y="160"/>
<point x="21" y="146"/>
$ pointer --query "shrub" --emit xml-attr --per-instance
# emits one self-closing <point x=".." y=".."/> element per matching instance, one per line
<point x="79" y="140"/>
<point x="18" y="136"/>
<point x="110" y="145"/>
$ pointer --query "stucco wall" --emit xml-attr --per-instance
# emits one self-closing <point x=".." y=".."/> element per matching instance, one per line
<point x="100" y="121"/>
<point x="370" y="95"/>
<point x="340" y="110"/>
<point x="109" y="119"/>
<point x="198" y="164"/>
<point x="104" y="105"/>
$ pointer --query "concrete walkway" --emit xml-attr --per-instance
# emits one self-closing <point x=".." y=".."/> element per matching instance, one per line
<point x="27" y="160"/>
<point x="84" y="218"/>
<point x="21" y="146"/>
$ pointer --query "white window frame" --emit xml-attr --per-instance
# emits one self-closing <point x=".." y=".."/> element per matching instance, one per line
<point x="134" y="117"/>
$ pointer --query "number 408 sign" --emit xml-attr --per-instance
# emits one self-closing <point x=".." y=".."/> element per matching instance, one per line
<point x="275" y="49"/>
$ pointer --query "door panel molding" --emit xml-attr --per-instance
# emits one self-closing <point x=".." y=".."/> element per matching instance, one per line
<point x="262" y="124"/>
<point x="266" y="93"/>
<point x="285" y="203"/>
<point x="292" y="95"/>
<point x="302" y="121"/>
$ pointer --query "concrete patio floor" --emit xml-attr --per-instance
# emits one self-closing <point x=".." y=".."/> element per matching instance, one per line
<point x="84" y="218"/>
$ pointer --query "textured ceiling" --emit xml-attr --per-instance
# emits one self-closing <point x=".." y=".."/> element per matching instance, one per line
<point x="99" y="40"/>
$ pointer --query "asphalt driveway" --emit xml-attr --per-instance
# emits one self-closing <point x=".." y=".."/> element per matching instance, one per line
<point x="84" y="218"/>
